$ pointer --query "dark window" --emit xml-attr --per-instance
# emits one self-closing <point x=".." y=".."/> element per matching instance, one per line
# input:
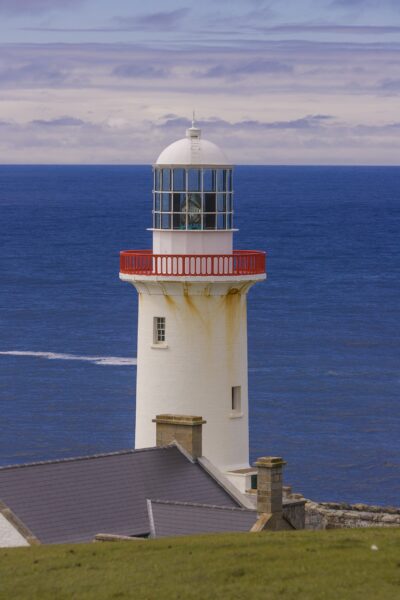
<point x="209" y="203"/>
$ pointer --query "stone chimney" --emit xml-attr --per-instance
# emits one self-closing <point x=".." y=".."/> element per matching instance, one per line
<point x="186" y="430"/>
<point x="269" y="485"/>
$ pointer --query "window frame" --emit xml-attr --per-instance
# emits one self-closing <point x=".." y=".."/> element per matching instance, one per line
<point x="159" y="331"/>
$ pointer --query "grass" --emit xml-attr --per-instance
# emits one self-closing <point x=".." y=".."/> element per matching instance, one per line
<point x="324" y="565"/>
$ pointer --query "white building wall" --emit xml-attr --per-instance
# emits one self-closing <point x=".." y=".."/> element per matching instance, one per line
<point x="9" y="536"/>
<point x="205" y="355"/>
<point x="192" y="242"/>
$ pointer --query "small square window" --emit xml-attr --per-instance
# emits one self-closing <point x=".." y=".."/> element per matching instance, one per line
<point x="237" y="399"/>
<point x="159" y="330"/>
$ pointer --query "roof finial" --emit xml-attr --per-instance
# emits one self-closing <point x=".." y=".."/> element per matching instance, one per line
<point x="193" y="131"/>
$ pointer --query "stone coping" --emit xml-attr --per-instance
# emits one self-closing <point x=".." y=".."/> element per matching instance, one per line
<point x="179" y="419"/>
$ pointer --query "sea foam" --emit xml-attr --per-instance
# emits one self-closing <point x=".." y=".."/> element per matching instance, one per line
<point x="96" y="360"/>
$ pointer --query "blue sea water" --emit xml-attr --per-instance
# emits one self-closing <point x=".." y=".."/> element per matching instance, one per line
<point x="324" y="344"/>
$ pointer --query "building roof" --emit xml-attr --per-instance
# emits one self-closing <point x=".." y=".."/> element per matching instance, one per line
<point x="72" y="500"/>
<point x="192" y="150"/>
<point x="184" y="518"/>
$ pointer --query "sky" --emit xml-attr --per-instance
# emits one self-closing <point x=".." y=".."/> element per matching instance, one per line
<point x="272" y="82"/>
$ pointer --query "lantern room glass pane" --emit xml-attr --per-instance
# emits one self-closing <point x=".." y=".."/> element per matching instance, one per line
<point x="229" y="221"/>
<point x="178" y="202"/>
<point x="221" y="221"/>
<point x="194" y="221"/>
<point x="209" y="180"/>
<point x="220" y="180"/>
<point x="230" y="180"/>
<point x="157" y="221"/>
<point x="157" y="201"/>
<point x="194" y="203"/>
<point x="229" y="203"/>
<point x="209" y="221"/>
<point x="157" y="179"/>
<point x="178" y="221"/>
<point x="166" y="202"/>
<point x="227" y="180"/>
<point x="166" y="180"/>
<point x="165" y="221"/>
<point x="221" y="202"/>
<point x="209" y="202"/>
<point x="194" y="180"/>
<point x="179" y="182"/>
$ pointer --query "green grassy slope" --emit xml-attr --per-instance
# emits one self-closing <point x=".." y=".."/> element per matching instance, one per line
<point x="306" y="565"/>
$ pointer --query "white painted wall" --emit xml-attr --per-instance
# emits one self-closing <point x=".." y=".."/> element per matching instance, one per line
<point x="192" y="242"/>
<point x="205" y="355"/>
<point x="9" y="536"/>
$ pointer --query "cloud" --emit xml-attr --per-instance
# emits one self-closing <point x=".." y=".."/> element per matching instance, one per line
<point x="59" y="122"/>
<point x="307" y="122"/>
<point x="139" y="70"/>
<point x="364" y="4"/>
<point x="157" y="21"/>
<point x="15" y="7"/>
<point x="254" y="67"/>
<point x="32" y="74"/>
<point x="390" y="85"/>
<point x="312" y="139"/>
<point x="93" y="103"/>
<point x="331" y="28"/>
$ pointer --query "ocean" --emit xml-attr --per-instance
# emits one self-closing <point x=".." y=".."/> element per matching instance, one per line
<point x="324" y="343"/>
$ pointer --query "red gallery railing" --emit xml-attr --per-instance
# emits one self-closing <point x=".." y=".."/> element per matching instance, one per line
<point x="240" y="262"/>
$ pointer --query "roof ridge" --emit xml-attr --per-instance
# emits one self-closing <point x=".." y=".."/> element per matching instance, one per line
<point x="87" y="457"/>
<point x="202" y="505"/>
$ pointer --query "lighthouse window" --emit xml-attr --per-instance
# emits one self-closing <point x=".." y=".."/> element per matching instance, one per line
<point x="237" y="399"/>
<point x="158" y="330"/>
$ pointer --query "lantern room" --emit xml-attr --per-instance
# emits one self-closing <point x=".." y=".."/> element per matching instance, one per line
<point x="192" y="198"/>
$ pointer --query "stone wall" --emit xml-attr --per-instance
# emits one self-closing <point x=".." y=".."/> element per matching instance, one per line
<point x="335" y="515"/>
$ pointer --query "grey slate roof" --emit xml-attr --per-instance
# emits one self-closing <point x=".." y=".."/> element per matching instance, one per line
<point x="72" y="500"/>
<point x="182" y="518"/>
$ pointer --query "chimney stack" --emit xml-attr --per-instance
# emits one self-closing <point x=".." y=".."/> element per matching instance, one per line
<point x="269" y="485"/>
<point x="186" y="430"/>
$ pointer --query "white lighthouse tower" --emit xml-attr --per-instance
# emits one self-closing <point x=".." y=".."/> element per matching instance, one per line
<point x="192" y="286"/>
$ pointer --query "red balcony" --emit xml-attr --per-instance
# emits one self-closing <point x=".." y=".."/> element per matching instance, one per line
<point x="144" y="262"/>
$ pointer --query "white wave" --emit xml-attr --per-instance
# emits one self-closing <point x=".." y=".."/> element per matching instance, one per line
<point x="96" y="360"/>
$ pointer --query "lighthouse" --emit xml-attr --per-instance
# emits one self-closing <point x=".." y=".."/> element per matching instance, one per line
<point x="192" y="287"/>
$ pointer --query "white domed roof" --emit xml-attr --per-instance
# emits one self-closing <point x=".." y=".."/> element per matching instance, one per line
<point x="192" y="150"/>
